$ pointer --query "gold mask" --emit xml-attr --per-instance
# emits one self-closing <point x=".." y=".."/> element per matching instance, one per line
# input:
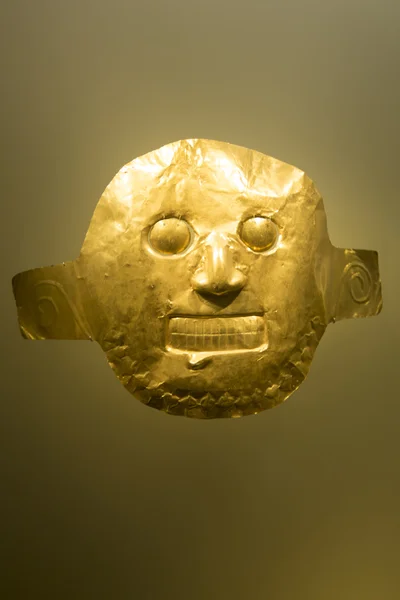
<point x="207" y="277"/>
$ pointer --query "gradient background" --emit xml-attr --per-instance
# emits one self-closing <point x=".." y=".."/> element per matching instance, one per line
<point x="103" y="497"/>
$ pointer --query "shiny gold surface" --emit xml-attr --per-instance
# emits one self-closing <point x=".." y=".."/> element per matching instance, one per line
<point x="208" y="278"/>
<point x="259" y="233"/>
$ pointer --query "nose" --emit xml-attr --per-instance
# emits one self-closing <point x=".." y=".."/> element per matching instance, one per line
<point x="218" y="274"/>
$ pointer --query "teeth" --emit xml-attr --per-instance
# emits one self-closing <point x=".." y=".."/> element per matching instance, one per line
<point x="215" y="334"/>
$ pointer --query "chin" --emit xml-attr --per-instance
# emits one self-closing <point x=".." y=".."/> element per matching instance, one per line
<point x="216" y="390"/>
<point x="214" y="383"/>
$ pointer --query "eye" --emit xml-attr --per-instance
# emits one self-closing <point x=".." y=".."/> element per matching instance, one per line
<point x="170" y="236"/>
<point x="258" y="233"/>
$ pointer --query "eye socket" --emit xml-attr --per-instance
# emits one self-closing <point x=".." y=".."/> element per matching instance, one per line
<point x="258" y="233"/>
<point x="170" y="236"/>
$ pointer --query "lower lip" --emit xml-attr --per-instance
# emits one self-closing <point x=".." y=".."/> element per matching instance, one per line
<point x="216" y="334"/>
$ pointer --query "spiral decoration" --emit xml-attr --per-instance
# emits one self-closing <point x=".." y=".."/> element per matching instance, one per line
<point x="359" y="282"/>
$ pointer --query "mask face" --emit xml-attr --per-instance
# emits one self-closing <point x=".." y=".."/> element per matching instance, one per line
<point x="208" y="278"/>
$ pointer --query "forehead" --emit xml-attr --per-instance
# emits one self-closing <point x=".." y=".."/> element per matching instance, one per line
<point x="204" y="181"/>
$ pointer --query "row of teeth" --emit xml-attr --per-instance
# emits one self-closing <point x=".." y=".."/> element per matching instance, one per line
<point x="216" y="334"/>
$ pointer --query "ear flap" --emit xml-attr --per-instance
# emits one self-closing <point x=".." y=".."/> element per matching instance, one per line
<point x="50" y="305"/>
<point x="359" y="292"/>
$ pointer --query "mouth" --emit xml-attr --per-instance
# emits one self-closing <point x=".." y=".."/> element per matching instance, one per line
<point x="216" y="334"/>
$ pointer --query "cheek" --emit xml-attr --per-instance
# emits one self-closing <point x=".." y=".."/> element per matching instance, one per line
<point x="157" y="283"/>
<point x="284" y="281"/>
<point x="166" y="276"/>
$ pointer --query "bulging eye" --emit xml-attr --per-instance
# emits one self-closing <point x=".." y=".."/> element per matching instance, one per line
<point x="170" y="236"/>
<point x="259" y="233"/>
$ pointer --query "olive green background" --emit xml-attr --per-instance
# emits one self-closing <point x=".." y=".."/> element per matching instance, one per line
<point x="102" y="497"/>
